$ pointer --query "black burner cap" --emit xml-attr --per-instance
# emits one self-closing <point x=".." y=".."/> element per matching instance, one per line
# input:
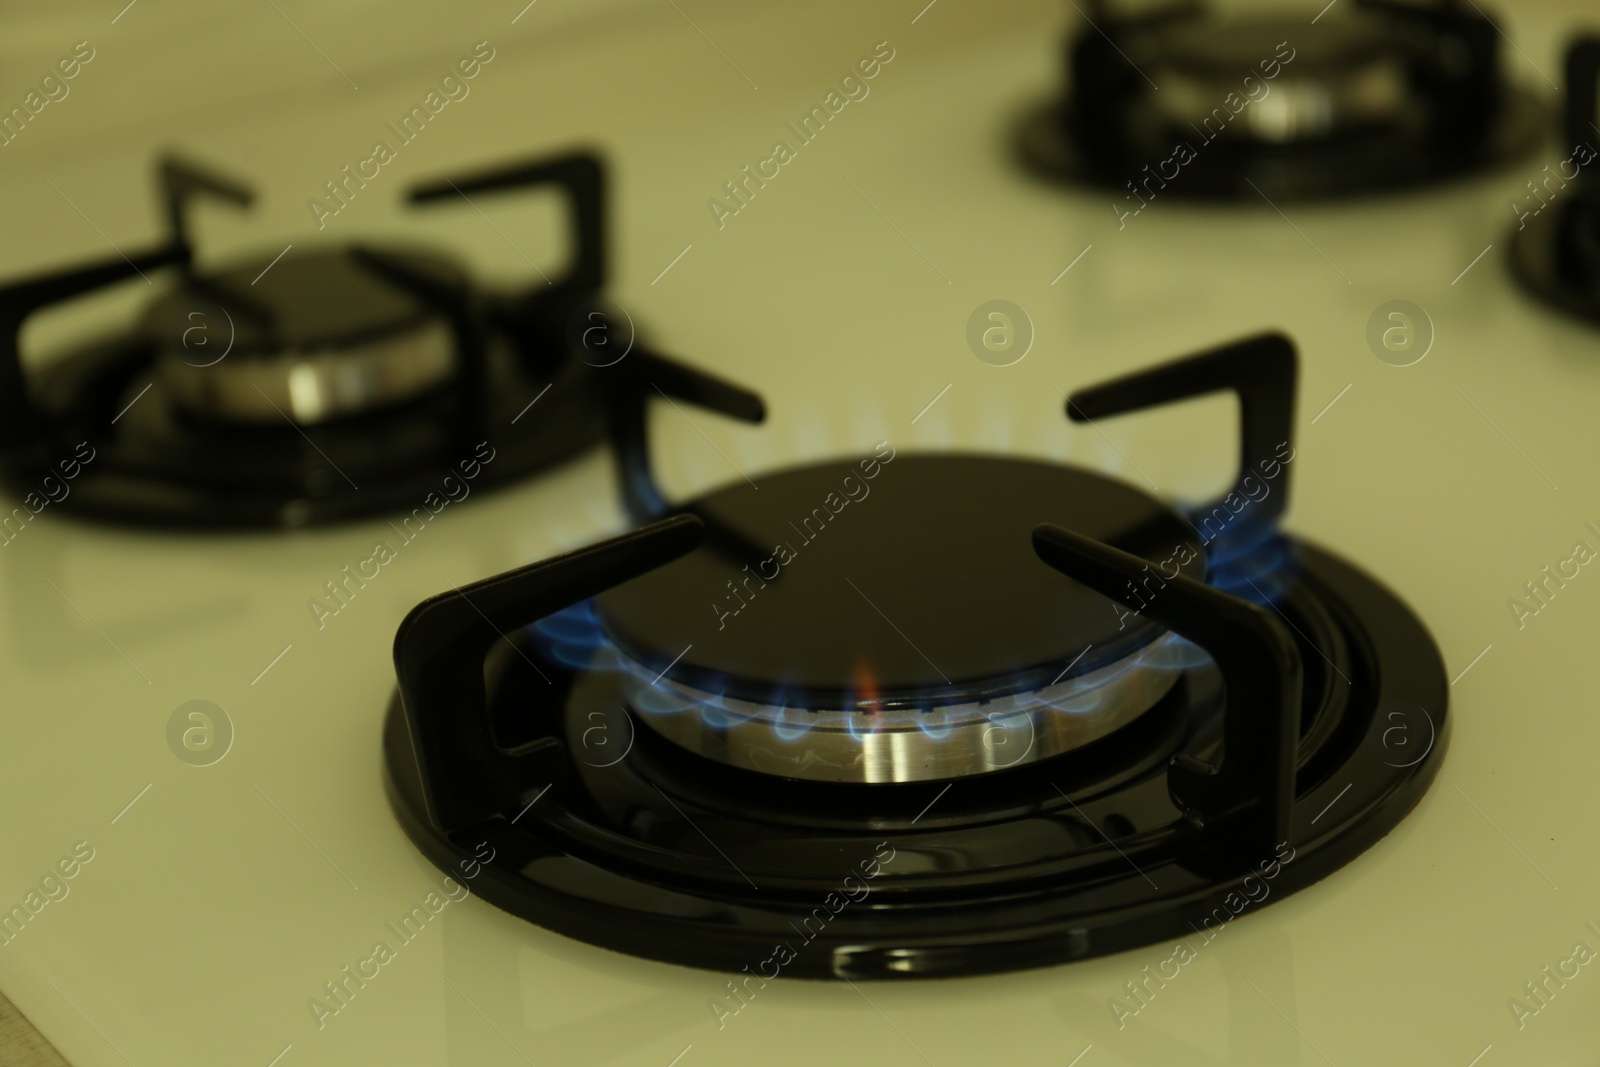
<point x="315" y="300"/>
<point x="907" y="578"/>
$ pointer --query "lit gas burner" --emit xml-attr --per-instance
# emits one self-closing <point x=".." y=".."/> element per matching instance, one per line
<point x="1368" y="96"/>
<point x="806" y="668"/>
<point x="1555" y="247"/>
<point x="1039" y="683"/>
<point x="321" y="383"/>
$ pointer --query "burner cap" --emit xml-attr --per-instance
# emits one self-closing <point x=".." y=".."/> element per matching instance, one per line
<point x="894" y="583"/>
<point x="314" y="336"/>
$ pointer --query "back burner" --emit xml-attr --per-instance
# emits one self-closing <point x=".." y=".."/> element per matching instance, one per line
<point x="323" y="383"/>
<point x="1367" y="96"/>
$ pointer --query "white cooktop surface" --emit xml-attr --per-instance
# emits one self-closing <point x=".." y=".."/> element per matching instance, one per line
<point x="219" y="899"/>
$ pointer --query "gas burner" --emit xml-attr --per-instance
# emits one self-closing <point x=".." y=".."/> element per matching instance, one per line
<point x="994" y="693"/>
<point x="1555" y="249"/>
<point x="322" y="383"/>
<point x="1180" y="101"/>
<point x="324" y="337"/>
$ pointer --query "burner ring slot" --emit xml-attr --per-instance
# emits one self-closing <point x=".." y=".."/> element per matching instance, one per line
<point x="906" y="744"/>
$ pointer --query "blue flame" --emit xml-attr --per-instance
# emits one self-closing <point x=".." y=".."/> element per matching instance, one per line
<point x="1179" y="654"/>
<point x="1250" y="560"/>
<point x="571" y="637"/>
<point x="851" y="724"/>
<point x="926" y="724"/>
<point x="792" y="723"/>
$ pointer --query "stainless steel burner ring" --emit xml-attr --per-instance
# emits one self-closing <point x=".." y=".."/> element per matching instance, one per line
<point x="907" y="745"/>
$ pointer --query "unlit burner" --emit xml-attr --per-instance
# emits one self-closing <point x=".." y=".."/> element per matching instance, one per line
<point x="1184" y="101"/>
<point x="309" y="337"/>
<point x="317" y="384"/>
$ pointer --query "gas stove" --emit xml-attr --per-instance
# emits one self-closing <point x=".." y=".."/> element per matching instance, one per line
<point x="921" y="664"/>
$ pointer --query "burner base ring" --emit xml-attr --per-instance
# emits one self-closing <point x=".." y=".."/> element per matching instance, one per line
<point x="917" y="745"/>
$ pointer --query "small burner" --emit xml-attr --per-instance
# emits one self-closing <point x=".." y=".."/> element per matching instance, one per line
<point x="1555" y="249"/>
<point x="319" y="337"/>
<point x="1182" y="102"/>
<point x="324" y="383"/>
<point x="650" y="770"/>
